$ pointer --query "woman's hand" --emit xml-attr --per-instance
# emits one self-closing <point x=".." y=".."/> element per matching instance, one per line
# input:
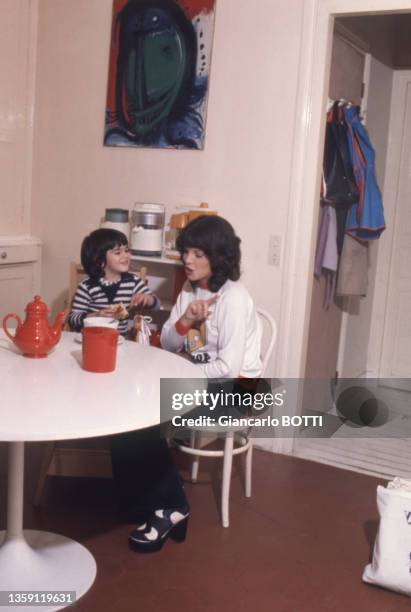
<point x="145" y="300"/>
<point x="197" y="311"/>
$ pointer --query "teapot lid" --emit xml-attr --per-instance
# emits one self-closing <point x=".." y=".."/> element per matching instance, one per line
<point x="36" y="306"/>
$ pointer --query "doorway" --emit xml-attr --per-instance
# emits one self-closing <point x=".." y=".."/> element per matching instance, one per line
<point x="349" y="75"/>
<point x="308" y="154"/>
<point x="350" y="354"/>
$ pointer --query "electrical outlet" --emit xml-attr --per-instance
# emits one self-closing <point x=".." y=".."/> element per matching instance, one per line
<point x="274" y="250"/>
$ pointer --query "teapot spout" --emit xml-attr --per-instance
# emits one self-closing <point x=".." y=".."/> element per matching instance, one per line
<point x="55" y="329"/>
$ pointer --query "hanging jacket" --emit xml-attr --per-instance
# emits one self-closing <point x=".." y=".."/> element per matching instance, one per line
<point x="326" y="254"/>
<point x="339" y="186"/>
<point x="365" y="219"/>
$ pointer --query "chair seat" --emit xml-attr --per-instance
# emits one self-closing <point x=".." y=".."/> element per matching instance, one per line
<point x="245" y="444"/>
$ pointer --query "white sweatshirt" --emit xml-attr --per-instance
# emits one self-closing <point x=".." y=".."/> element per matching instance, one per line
<point x="228" y="344"/>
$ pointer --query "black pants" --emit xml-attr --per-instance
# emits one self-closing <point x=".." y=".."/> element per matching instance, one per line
<point x="144" y="473"/>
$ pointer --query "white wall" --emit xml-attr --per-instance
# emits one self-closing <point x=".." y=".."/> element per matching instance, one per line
<point x="360" y="352"/>
<point x="244" y="171"/>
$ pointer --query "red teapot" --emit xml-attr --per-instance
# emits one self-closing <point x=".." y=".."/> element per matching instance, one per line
<point x="35" y="337"/>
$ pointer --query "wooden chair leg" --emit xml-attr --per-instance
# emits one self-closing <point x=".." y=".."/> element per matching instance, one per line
<point x="227" y="465"/>
<point x="47" y="457"/>
<point x="248" y="470"/>
<point x="196" y="458"/>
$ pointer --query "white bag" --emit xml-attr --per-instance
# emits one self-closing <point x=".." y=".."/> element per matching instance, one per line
<point x="141" y="329"/>
<point x="391" y="563"/>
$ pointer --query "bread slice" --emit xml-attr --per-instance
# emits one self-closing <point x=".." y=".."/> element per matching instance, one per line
<point x="117" y="311"/>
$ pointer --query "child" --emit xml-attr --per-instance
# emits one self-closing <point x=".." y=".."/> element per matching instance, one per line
<point x="106" y="259"/>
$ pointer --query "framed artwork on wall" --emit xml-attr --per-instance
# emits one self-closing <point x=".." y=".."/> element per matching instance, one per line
<point x="159" y="70"/>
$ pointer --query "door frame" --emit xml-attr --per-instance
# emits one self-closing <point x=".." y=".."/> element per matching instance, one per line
<point x="308" y="143"/>
<point x="379" y="331"/>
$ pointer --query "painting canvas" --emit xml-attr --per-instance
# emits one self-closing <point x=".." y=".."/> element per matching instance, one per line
<point x="158" y="74"/>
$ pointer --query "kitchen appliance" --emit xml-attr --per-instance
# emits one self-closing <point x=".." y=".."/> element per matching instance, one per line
<point x="118" y="219"/>
<point x="200" y="211"/>
<point x="147" y="226"/>
<point x="178" y="222"/>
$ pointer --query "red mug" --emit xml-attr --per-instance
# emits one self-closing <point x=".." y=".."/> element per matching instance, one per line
<point x="99" y="349"/>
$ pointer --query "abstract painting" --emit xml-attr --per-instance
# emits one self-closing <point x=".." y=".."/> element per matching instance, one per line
<point x="158" y="73"/>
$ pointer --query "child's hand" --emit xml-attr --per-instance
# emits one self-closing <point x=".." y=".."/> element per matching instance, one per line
<point x="145" y="300"/>
<point x="115" y="311"/>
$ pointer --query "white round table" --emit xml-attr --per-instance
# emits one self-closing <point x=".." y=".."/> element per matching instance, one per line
<point x="55" y="399"/>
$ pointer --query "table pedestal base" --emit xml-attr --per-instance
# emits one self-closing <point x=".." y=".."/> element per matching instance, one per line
<point x="43" y="561"/>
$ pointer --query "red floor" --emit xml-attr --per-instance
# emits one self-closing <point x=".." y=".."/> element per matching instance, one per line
<point x="298" y="545"/>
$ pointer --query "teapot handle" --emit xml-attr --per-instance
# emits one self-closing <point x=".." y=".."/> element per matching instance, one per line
<point x="10" y="316"/>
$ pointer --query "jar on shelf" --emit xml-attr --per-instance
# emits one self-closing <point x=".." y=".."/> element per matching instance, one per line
<point x="176" y="225"/>
<point x="118" y="219"/>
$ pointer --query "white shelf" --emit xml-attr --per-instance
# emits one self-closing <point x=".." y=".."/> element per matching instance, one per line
<point x="161" y="276"/>
<point x="158" y="260"/>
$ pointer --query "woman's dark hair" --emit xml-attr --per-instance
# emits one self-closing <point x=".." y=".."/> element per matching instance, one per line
<point x="95" y="247"/>
<point x="216" y="238"/>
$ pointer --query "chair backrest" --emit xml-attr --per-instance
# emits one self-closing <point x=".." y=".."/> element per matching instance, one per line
<point x="76" y="275"/>
<point x="268" y="337"/>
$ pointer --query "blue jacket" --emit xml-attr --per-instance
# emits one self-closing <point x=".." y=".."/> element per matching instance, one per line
<point x="365" y="219"/>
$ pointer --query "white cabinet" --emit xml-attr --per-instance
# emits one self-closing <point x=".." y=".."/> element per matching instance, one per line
<point x="19" y="273"/>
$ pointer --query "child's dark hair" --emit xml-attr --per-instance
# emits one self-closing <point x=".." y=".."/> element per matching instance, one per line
<point x="216" y="238"/>
<point x="95" y="247"/>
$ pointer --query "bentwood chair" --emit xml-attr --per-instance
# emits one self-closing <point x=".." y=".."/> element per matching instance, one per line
<point x="236" y="441"/>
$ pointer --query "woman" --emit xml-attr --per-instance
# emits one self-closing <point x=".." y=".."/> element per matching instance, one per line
<point x="215" y="323"/>
<point x="214" y="319"/>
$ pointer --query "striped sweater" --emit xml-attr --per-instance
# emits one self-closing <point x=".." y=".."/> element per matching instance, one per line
<point x="93" y="295"/>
